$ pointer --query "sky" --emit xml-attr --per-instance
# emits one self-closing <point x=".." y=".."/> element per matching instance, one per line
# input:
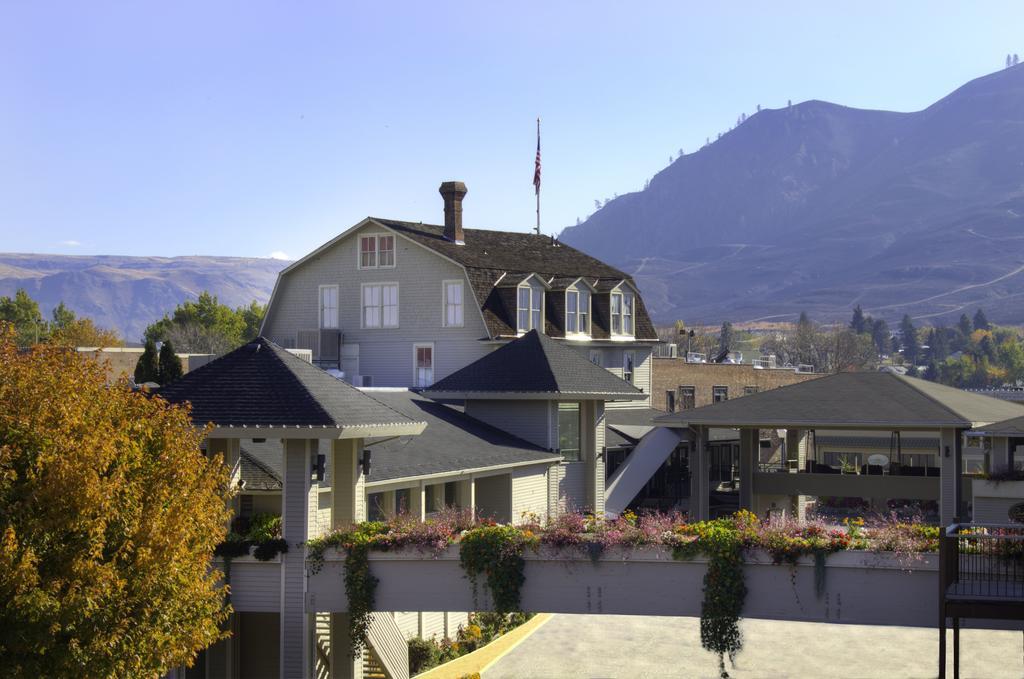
<point x="266" y="128"/>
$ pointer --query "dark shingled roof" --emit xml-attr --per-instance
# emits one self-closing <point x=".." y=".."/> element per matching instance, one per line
<point x="844" y="400"/>
<point x="534" y="364"/>
<point x="490" y="255"/>
<point x="452" y="442"/>
<point x="256" y="474"/>
<point x="261" y="384"/>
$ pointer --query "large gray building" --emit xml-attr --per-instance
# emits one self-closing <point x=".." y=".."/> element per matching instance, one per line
<point x="402" y="304"/>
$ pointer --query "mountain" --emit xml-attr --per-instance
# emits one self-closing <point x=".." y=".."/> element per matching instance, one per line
<point x="128" y="293"/>
<point x="819" y="207"/>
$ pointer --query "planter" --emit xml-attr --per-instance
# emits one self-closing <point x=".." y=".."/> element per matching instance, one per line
<point x="860" y="587"/>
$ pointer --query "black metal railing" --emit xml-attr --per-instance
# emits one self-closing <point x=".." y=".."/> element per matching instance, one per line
<point x="982" y="562"/>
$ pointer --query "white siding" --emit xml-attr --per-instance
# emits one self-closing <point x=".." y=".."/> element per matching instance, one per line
<point x="611" y="360"/>
<point x="993" y="509"/>
<point x="531" y="421"/>
<point x="529" y="492"/>
<point x="572" y="487"/>
<point x="385" y="354"/>
<point x="255" y="586"/>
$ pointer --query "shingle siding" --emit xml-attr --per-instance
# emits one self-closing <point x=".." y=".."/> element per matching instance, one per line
<point x="385" y="354"/>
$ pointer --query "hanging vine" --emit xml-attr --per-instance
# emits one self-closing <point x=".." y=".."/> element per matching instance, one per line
<point x="497" y="553"/>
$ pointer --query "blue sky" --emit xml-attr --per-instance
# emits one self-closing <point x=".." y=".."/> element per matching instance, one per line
<point x="251" y="128"/>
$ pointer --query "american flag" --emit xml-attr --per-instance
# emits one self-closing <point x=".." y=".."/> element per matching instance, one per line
<point x="536" y="165"/>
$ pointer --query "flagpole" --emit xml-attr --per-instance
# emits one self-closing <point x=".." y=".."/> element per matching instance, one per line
<point x="538" y="184"/>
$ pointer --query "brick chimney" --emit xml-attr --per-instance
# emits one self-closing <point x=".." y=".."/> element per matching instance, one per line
<point x="453" y="193"/>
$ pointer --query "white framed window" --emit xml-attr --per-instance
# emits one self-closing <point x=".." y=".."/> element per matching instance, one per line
<point x="569" y="431"/>
<point x="377" y="251"/>
<point x="380" y="305"/>
<point x="453" y="304"/>
<point x="328" y="306"/>
<point x="530" y="303"/>
<point x="423" y="364"/>
<point x="628" y="358"/>
<point x="622" y="313"/>
<point x="577" y="312"/>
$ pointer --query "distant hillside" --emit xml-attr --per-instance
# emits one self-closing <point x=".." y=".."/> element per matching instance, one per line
<point x="129" y="293"/>
<point x="818" y="207"/>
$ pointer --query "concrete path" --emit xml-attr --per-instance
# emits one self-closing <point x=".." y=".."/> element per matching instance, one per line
<point x="631" y="647"/>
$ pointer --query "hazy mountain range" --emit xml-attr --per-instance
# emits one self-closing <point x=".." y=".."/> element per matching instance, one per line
<point x="128" y="293"/>
<point x="819" y="207"/>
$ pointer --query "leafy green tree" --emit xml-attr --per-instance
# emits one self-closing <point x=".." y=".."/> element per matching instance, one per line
<point x="207" y="326"/>
<point x="981" y="321"/>
<point x="109" y="514"/>
<point x="858" y="324"/>
<point x="169" y="365"/>
<point x="725" y="337"/>
<point x="22" y="312"/>
<point x="147" y="368"/>
<point x="911" y="346"/>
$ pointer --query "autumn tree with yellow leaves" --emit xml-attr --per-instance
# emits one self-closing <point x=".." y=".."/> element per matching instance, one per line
<point x="109" y="514"/>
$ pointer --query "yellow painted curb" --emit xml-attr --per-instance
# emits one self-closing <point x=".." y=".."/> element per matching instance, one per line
<point x="482" y="658"/>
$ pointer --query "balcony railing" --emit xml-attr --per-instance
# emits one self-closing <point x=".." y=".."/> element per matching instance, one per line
<point x="983" y="562"/>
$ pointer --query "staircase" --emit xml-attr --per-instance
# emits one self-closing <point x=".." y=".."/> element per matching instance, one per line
<point x="638" y="467"/>
<point x="388" y="655"/>
<point x="372" y="669"/>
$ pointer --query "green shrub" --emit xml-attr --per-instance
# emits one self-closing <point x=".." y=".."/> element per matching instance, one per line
<point x="423" y="654"/>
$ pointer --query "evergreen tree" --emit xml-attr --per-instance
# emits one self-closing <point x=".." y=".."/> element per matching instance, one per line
<point x="62" y="317"/>
<point x="858" y="324"/>
<point x="964" y="326"/>
<point x="938" y="344"/>
<point x="931" y="373"/>
<point x="148" y="367"/>
<point x="804" y="321"/>
<point x="911" y="348"/>
<point x="880" y="335"/>
<point x="169" y="365"/>
<point x="725" y="337"/>
<point x="980" y="321"/>
<point x="22" y="312"/>
<point x="1009" y="61"/>
<point x="1016" y="59"/>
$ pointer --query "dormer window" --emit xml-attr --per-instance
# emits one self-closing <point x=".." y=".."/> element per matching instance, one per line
<point x="530" y="301"/>
<point x="577" y="312"/>
<point x="622" y="312"/>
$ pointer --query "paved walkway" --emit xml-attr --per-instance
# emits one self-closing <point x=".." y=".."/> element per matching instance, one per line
<point x="631" y="647"/>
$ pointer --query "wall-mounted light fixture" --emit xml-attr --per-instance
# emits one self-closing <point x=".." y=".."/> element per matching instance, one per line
<point x="365" y="462"/>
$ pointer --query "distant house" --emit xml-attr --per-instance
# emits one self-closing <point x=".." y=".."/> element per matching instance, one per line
<point x="404" y="304"/>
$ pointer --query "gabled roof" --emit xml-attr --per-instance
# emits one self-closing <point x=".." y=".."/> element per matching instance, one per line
<point x="452" y="442"/>
<point x="260" y="385"/>
<point x="256" y="474"/>
<point x="1013" y="427"/>
<point x="845" y="400"/>
<point x="534" y="366"/>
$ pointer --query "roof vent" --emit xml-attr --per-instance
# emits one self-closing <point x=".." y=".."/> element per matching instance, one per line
<point x="453" y="193"/>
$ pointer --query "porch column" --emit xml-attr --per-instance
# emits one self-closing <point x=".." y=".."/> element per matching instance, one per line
<point x="592" y="434"/>
<point x="699" y="481"/>
<point x="343" y="665"/>
<point x="348" y="484"/>
<point x="796" y="459"/>
<point x="465" y="494"/>
<point x="950" y="466"/>
<point x="418" y="501"/>
<point x="1000" y="456"/>
<point x="298" y="502"/>
<point x="748" y="463"/>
